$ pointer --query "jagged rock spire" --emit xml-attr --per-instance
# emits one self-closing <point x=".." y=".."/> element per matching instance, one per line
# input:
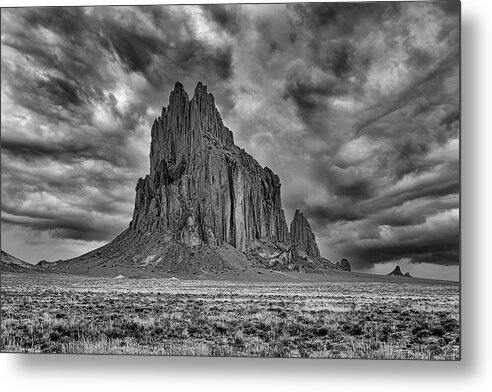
<point x="302" y="235"/>
<point x="202" y="188"/>
<point x="184" y="124"/>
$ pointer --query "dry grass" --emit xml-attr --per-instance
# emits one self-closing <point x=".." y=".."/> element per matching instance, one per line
<point x="159" y="317"/>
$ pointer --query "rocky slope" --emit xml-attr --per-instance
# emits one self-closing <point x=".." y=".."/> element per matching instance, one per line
<point x="206" y="205"/>
<point x="11" y="263"/>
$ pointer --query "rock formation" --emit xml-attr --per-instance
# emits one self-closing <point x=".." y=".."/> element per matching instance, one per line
<point x="202" y="187"/>
<point x="397" y="272"/>
<point x="48" y="264"/>
<point x="206" y="205"/>
<point x="302" y="235"/>
<point x="344" y="265"/>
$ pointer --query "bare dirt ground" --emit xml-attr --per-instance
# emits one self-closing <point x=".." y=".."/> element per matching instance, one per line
<point x="401" y="319"/>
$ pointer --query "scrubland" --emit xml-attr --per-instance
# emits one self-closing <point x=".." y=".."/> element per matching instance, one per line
<point x="60" y="314"/>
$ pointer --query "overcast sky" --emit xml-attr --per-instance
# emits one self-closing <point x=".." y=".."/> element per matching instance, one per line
<point x="355" y="107"/>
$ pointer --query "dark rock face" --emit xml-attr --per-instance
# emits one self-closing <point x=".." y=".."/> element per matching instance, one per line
<point x="407" y="275"/>
<point x="302" y="235"/>
<point x="201" y="187"/>
<point x="344" y="265"/>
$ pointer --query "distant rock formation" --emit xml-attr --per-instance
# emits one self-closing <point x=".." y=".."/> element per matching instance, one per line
<point x="44" y="263"/>
<point x="206" y="205"/>
<point x="302" y="235"/>
<point x="344" y="265"/>
<point x="397" y="272"/>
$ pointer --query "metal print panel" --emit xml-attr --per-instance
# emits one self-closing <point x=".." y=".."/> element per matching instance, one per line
<point x="266" y="180"/>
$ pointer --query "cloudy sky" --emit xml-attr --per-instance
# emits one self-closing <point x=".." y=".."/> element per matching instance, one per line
<point x="354" y="106"/>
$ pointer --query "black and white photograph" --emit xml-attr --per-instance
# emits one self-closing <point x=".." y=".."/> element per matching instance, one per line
<point x="232" y="180"/>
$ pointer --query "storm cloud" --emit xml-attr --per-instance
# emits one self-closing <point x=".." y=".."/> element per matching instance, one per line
<point x="354" y="106"/>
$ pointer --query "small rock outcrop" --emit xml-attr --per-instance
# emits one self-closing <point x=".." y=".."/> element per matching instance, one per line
<point x="397" y="272"/>
<point x="344" y="265"/>
<point x="302" y="235"/>
<point x="47" y="264"/>
<point x="42" y="263"/>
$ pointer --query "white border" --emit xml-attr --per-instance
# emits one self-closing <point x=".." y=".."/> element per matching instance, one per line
<point x="125" y="373"/>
